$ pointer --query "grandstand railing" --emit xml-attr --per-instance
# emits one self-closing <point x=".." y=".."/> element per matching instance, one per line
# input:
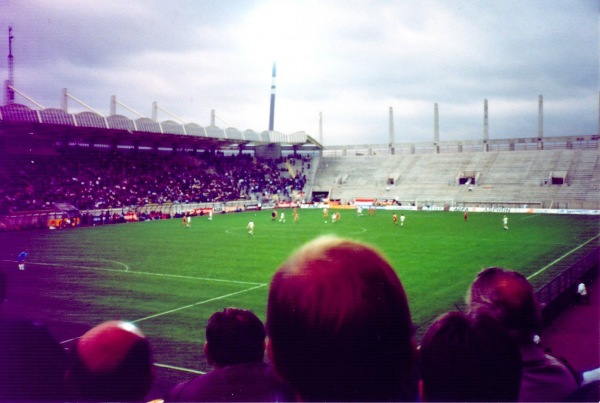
<point x="511" y="144"/>
<point x="507" y="204"/>
<point x="576" y="205"/>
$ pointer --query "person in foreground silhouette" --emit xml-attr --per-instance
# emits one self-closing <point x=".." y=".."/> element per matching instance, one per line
<point x="339" y="325"/>
<point x="235" y="347"/>
<point x="112" y="362"/>
<point x="465" y="359"/>
<point x="508" y="297"/>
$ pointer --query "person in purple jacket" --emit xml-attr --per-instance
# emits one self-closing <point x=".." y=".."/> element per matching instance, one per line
<point x="235" y="347"/>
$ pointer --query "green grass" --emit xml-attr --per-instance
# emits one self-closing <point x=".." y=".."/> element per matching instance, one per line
<point x="170" y="279"/>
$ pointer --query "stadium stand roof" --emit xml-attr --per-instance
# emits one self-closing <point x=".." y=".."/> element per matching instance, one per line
<point x="20" y="121"/>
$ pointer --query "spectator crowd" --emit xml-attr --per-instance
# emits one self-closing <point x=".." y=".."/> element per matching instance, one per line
<point x="100" y="180"/>
<point x="339" y="328"/>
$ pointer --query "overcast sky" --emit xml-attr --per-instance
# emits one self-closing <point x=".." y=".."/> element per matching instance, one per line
<point x="349" y="60"/>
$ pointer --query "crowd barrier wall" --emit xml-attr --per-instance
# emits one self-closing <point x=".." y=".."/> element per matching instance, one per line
<point x="561" y="291"/>
<point x="36" y="219"/>
<point x="568" y="280"/>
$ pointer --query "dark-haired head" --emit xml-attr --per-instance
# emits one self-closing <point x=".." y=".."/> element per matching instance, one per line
<point x="339" y="324"/>
<point x="508" y="297"/>
<point x="234" y="336"/>
<point x="469" y="359"/>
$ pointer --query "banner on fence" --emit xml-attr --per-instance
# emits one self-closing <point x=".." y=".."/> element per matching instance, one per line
<point x="364" y="202"/>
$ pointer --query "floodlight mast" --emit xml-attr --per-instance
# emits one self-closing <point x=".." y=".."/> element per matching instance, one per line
<point x="9" y="92"/>
<point x="272" y="111"/>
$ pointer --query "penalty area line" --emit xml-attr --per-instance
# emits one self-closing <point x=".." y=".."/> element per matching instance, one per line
<point x="193" y="371"/>
<point x="181" y="308"/>
<point x="562" y="257"/>
<point x="206" y="301"/>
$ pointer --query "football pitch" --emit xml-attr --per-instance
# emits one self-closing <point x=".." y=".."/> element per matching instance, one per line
<point x="169" y="279"/>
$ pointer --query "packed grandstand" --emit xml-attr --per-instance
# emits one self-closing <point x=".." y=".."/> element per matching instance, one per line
<point x="80" y="169"/>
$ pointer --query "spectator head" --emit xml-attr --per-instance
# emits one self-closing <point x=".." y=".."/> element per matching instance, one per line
<point x="469" y="359"/>
<point x="339" y="324"/>
<point x="508" y="297"/>
<point x="111" y="362"/>
<point x="234" y="336"/>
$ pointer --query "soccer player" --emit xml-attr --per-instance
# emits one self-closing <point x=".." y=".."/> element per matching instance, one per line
<point x="395" y="219"/>
<point x="466" y="215"/>
<point x="21" y="260"/>
<point x="325" y="213"/>
<point x="402" y="218"/>
<point x="505" y="222"/>
<point x="296" y="216"/>
<point x="274" y="215"/>
<point x="188" y="221"/>
<point x="282" y="217"/>
<point x="210" y="215"/>
<point x="250" y="228"/>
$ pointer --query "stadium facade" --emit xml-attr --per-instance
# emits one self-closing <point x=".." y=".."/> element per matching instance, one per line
<point x="543" y="172"/>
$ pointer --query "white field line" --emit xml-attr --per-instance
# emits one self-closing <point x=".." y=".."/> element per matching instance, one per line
<point x="562" y="257"/>
<point x="186" y="307"/>
<point x="242" y="291"/>
<point x="193" y="371"/>
<point x="117" y="262"/>
<point x="176" y="310"/>
<point x="256" y="286"/>
<point x="180" y="308"/>
<point x="206" y="301"/>
<point x="67" y="265"/>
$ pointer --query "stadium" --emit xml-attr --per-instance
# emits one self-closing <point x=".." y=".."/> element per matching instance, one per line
<point x="99" y="204"/>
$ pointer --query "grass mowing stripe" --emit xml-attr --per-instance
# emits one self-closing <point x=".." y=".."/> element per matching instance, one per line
<point x="139" y="272"/>
<point x="198" y="303"/>
<point x="562" y="257"/>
